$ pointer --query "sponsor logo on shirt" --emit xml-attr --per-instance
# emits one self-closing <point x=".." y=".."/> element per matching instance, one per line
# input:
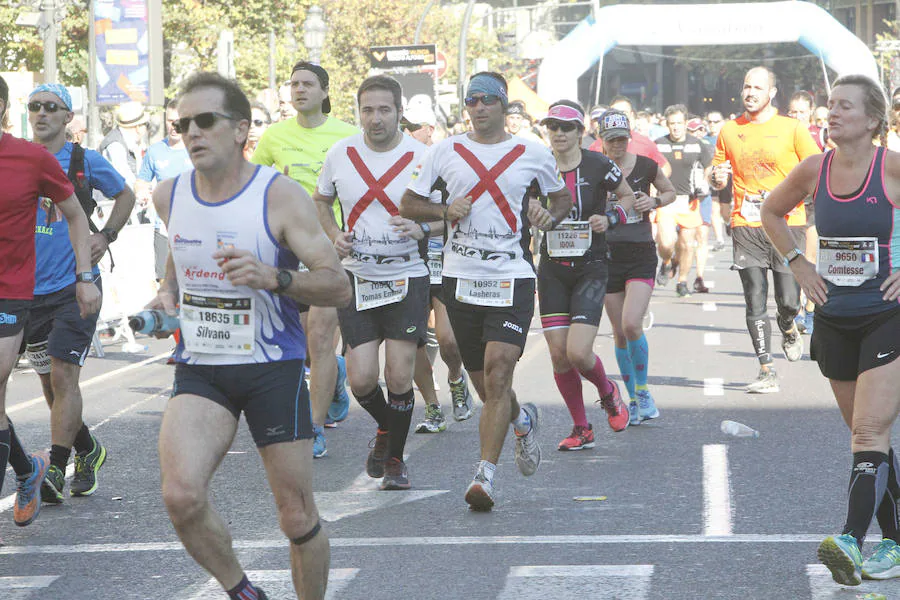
<point x="182" y="242"/>
<point x="200" y="274"/>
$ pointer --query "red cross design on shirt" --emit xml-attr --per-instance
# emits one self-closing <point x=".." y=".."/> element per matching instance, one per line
<point x="376" y="186"/>
<point x="488" y="179"/>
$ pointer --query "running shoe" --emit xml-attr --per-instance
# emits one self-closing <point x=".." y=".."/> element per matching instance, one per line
<point x="528" y="451"/>
<point x="800" y="321"/>
<point x="766" y="382"/>
<point x="434" y="422"/>
<point x="28" y="487"/>
<point x="377" y="454"/>
<point x="646" y="406"/>
<point x="580" y="438"/>
<point x="461" y="398"/>
<point x="52" y="488"/>
<point x="330" y="423"/>
<point x="340" y="404"/>
<point x="662" y="276"/>
<point x="396" y="476"/>
<point x="884" y="562"/>
<point x="480" y="493"/>
<point x="842" y="557"/>
<point x="319" y="447"/>
<point x="700" y="287"/>
<point x="634" y="417"/>
<point x="681" y="289"/>
<point x="809" y="320"/>
<point x="260" y="595"/>
<point x="616" y="411"/>
<point x="87" y="465"/>
<point x="792" y="344"/>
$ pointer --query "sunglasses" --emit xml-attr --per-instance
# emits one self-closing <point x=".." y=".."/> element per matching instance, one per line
<point x="257" y="122"/>
<point x="203" y="121"/>
<point x="50" y="107"/>
<point x="565" y="126"/>
<point x="487" y="100"/>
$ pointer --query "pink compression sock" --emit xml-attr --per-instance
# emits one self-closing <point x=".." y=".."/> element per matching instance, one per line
<point x="597" y="376"/>
<point x="569" y="384"/>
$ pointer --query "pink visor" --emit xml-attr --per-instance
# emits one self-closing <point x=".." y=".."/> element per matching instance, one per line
<point x="561" y="112"/>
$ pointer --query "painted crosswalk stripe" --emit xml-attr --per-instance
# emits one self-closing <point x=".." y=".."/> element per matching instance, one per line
<point x="29" y="583"/>
<point x="717" y="510"/>
<point x="564" y="581"/>
<point x="712" y="339"/>
<point x="277" y="584"/>
<point x="823" y="587"/>
<point x="713" y="386"/>
<point x="710" y="307"/>
<point x="710" y="284"/>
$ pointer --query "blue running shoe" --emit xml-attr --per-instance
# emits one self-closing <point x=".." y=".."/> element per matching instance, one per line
<point x="842" y="557"/>
<point x="809" y="319"/>
<point x="28" y="488"/>
<point x="319" y="449"/>
<point x="340" y="405"/>
<point x="884" y="562"/>
<point x="634" y="417"/>
<point x="646" y="406"/>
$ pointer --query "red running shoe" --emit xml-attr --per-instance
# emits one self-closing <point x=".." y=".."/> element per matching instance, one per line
<point x="616" y="410"/>
<point x="581" y="437"/>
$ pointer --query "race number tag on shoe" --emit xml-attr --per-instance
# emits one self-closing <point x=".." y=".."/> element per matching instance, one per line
<point x="750" y="208"/>
<point x="217" y="325"/>
<point x="435" y="260"/>
<point x="485" y="292"/>
<point x="848" y="261"/>
<point x="570" y="238"/>
<point x="371" y="294"/>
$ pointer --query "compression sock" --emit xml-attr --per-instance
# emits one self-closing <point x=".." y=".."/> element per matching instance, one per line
<point x="868" y="481"/>
<point x="761" y="334"/>
<point x="597" y="376"/>
<point x="243" y="591"/>
<point x="4" y="454"/>
<point x="83" y="440"/>
<point x="888" y="514"/>
<point x="569" y="384"/>
<point x="639" y="350"/>
<point x="399" y="419"/>
<point x="18" y="458"/>
<point x="375" y="405"/>
<point x="626" y="368"/>
<point x="59" y="456"/>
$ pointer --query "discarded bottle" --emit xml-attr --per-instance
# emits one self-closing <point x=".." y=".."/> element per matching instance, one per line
<point x="736" y="429"/>
<point x="151" y="321"/>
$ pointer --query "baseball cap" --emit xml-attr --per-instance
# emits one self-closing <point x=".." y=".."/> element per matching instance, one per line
<point x="516" y="108"/>
<point x="418" y="114"/>
<point x="564" y="112"/>
<point x="695" y="124"/>
<point x="321" y="74"/>
<point x="597" y="112"/>
<point x="614" y="124"/>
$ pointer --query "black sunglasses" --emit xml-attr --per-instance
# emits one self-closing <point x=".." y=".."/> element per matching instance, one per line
<point x="487" y="100"/>
<point x="203" y="121"/>
<point x="258" y="122"/>
<point x="50" y="107"/>
<point x="565" y="126"/>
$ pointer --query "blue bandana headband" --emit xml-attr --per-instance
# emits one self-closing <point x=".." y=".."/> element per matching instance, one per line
<point x="485" y="84"/>
<point x="57" y="90"/>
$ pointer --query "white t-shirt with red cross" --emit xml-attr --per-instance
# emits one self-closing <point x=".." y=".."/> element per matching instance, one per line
<point x="369" y="185"/>
<point x="489" y="241"/>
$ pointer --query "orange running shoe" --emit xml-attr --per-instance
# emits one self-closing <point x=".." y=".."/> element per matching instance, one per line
<point x="616" y="411"/>
<point x="581" y="437"/>
<point x="28" y="491"/>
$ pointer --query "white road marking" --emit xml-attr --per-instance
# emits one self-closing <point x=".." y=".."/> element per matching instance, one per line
<point x="717" y="509"/>
<point x="713" y="386"/>
<point x="710" y="307"/>
<point x="712" y="339"/>
<point x="334" y="506"/>
<point x="562" y="581"/>
<point x="276" y="584"/>
<point x="20" y="583"/>
<point x="710" y="284"/>
<point x="823" y="587"/>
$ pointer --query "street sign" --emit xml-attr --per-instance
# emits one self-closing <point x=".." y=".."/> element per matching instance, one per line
<point x="393" y="57"/>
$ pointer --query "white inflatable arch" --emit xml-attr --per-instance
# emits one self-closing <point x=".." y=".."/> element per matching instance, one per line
<point x="700" y="24"/>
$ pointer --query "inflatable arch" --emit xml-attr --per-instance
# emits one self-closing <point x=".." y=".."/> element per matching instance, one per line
<point x="700" y="24"/>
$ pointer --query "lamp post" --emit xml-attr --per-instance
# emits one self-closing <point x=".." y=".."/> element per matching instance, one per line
<point x="314" y="30"/>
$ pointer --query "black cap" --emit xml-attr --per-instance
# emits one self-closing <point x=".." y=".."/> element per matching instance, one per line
<point x="516" y="108"/>
<point x="321" y="74"/>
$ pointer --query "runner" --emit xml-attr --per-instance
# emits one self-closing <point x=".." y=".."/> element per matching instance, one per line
<point x="237" y="230"/>
<point x="721" y="206"/>
<point x="856" y="283"/>
<point x="57" y="338"/>
<point x="573" y="271"/>
<point x="368" y="172"/>
<point x="759" y="149"/>
<point x="297" y="148"/>
<point x="639" y="144"/>
<point x="488" y="279"/>
<point x="632" y="264"/>
<point x="29" y="172"/>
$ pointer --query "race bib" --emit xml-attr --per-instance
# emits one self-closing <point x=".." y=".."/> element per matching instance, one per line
<point x="371" y="294"/>
<point x="485" y="292"/>
<point x="435" y="260"/>
<point x="217" y="325"/>
<point x="682" y="204"/>
<point x="631" y="215"/>
<point x="848" y="261"/>
<point x="750" y="207"/>
<point x="570" y="238"/>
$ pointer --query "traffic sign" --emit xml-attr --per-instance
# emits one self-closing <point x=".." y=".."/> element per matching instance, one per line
<point x="393" y="57"/>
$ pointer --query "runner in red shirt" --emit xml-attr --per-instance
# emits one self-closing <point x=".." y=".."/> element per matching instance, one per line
<point x="30" y="173"/>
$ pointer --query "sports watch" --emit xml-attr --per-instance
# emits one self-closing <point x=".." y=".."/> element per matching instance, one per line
<point x="284" y="279"/>
<point x="84" y="277"/>
<point x="110" y="234"/>
<point x="791" y="255"/>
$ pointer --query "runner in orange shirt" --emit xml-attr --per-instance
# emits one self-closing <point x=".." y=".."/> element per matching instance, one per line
<point x="759" y="149"/>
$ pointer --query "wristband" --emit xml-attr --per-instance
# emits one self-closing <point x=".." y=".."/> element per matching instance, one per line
<point x="110" y="235"/>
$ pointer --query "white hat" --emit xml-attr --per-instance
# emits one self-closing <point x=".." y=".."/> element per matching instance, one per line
<point x="131" y="114"/>
<point x="418" y="114"/>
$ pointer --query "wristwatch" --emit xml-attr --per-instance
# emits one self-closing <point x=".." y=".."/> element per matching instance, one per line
<point x="426" y="229"/>
<point x="84" y="277"/>
<point x="284" y="279"/>
<point x="110" y="235"/>
<point x="791" y="255"/>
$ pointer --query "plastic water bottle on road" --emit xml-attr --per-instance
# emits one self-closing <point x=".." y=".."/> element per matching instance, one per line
<point x="735" y="429"/>
<point x="149" y="322"/>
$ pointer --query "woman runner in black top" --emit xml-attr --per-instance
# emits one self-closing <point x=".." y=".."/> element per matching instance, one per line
<point x="572" y="273"/>
<point x="632" y="263"/>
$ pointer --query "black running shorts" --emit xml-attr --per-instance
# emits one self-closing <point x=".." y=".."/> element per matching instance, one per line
<point x="13" y="315"/>
<point x="56" y="319"/>
<point x="474" y="326"/>
<point x="844" y="347"/>
<point x="752" y="248"/>
<point x="628" y="261"/>
<point x="405" y="320"/>
<point x="571" y="289"/>
<point x="272" y="396"/>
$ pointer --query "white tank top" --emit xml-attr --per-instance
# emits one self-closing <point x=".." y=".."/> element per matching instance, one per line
<point x="222" y="324"/>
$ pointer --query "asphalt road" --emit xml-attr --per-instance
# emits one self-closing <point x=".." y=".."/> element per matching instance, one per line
<point x="676" y="509"/>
